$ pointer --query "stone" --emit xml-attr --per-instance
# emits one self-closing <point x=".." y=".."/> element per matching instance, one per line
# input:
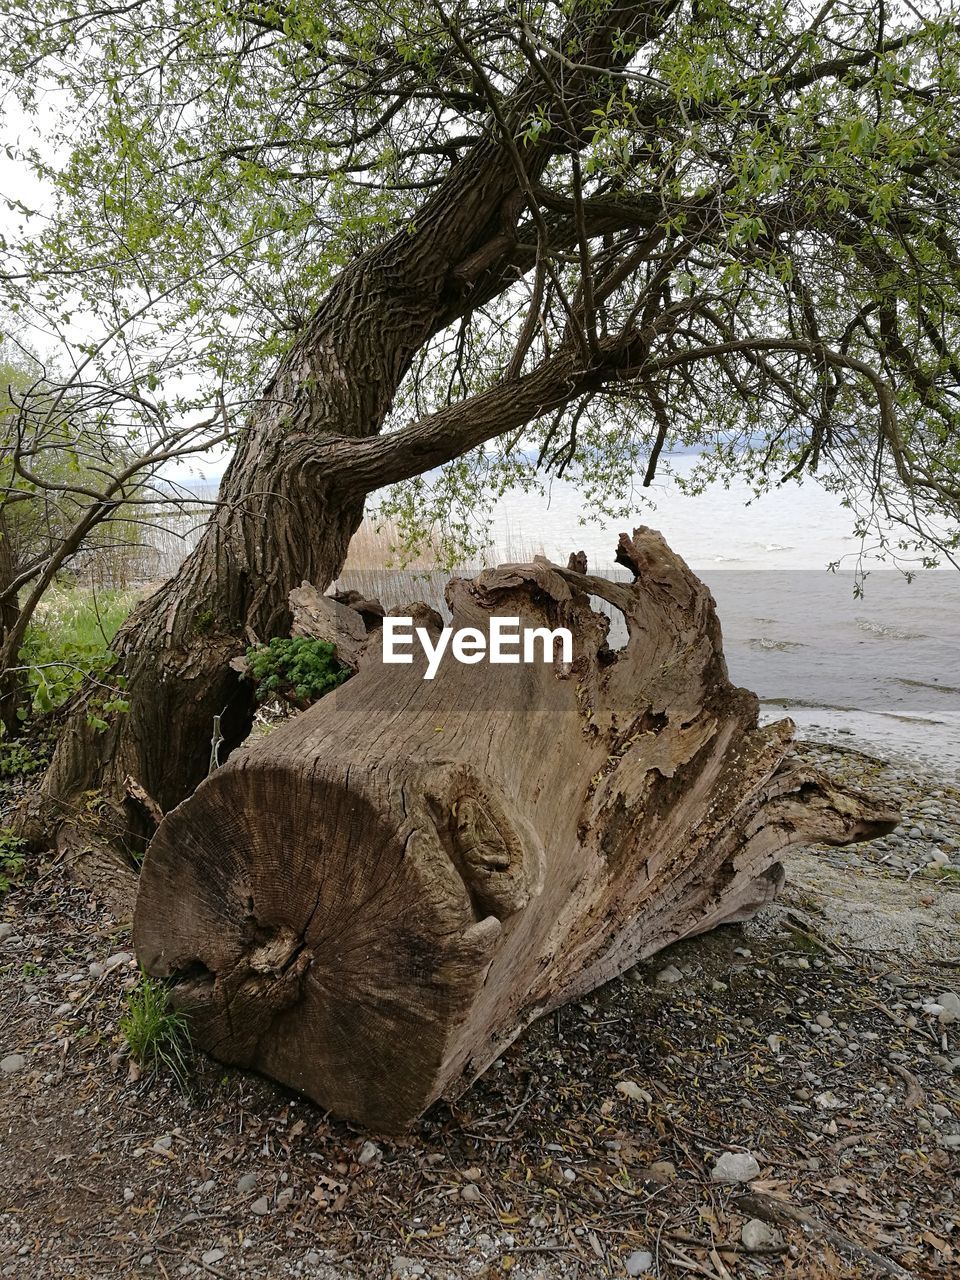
<point x="96" y="970"/>
<point x="403" y="1266"/>
<point x="670" y="975"/>
<point x="260" y="1206"/>
<point x="212" y="1256"/>
<point x="163" y="1144"/>
<point x="638" y="1263"/>
<point x="824" y="1020"/>
<point x="756" y="1236"/>
<point x="664" y="1169"/>
<point x="5" y="931"/>
<point x="471" y="1193"/>
<point x="247" y="1183"/>
<point x="735" y="1166"/>
<point x="949" y="1003"/>
<point x="370" y="1154"/>
<point x="117" y="959"/>
<point x="12" y="1063"/>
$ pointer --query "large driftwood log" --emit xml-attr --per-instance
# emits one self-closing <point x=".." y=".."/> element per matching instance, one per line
<point x="372" y="901"/>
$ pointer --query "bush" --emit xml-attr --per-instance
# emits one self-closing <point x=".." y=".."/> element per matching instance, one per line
<point x="68" y="645"/>
<point x="11" y="858"/>
<point x="298" y="669"/>
<point x="157" y="1035"/>
<point x="17" y="759"/>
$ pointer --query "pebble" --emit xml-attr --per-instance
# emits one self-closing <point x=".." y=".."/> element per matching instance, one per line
<point x="117" y="959"/>
<point x="735" y="1166"/>
<point x="664" y="1169"/>
<point x="824" y="1020"/>
<point x="401" y="1266"/>
<point x="949" y="1003"/>
<point x="670" y="975"/>
<point x="370" y="1154"/>
<point x="639" y="1262"/>
<point x="246" y="1184"/>
<point x="12" y="1063"/>
<point x="212" y="1256"/>
<point x="96" y="970"/>
<point x="471" y="1193"/>
<point x="5" y="931"/>
<point x="755" y="1236"/>
<point x="163" y="1144"/>
<point x="569" y="1175"/>
<point x="260" y="1206"/>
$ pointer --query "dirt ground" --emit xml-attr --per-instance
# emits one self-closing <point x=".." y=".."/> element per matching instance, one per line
<point x="810" y="1039"/>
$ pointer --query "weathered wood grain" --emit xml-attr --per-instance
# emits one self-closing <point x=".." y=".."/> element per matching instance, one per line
<point x="370" y="903"/>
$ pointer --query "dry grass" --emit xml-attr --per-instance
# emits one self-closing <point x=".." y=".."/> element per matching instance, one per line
<point x="373" y="565"/>
<point x="376" y="545"/>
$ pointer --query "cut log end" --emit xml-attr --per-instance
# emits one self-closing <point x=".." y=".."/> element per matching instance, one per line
<point x="371" y="902"/>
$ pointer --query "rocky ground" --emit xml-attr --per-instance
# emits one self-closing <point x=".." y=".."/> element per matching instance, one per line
<point x="776" y="1100"/>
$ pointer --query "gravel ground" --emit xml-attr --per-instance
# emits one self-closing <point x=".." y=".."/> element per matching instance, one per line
<point x="814" y="1054"/>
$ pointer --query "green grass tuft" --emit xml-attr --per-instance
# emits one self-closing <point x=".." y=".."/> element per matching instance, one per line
<point x="158" y="1036"/>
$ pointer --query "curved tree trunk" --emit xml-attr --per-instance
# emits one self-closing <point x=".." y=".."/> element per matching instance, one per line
<point x="372" y="901"/>
<point x="285" y="515"/>
<point x="278" y="522"/>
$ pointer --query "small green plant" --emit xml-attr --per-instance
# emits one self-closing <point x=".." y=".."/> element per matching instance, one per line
<point x="157" y="1035"/>
<point x="69" y="644"/>
<point x="17" y="759"/>
<point x="298" y="669"/>
<point x="12" y="862"/>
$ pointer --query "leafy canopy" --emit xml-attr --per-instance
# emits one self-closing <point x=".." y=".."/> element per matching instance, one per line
<point x="762" y="206"/>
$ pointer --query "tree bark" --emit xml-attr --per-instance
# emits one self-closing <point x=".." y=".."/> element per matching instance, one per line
<point x="372" y="901"/>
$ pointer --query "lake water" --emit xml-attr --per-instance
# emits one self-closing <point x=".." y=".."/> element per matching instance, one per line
<point x="881" y="672"/>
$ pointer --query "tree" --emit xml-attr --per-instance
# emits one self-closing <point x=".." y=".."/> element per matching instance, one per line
<point x="591" y="228"/>
<point x="77" y="479"/>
